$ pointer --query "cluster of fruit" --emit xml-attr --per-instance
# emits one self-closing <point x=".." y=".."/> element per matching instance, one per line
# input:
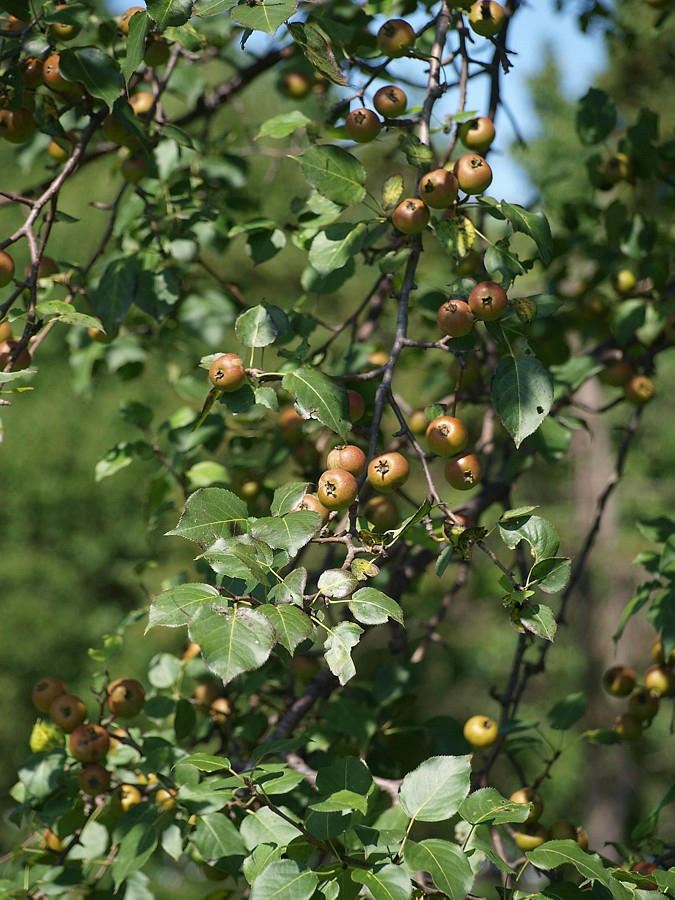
<point x="658" y="681"/>
<point x="338" y="485"/>
<point x="18" y="112"/>
<point x="88" y="743"/>
<point x="482" y="732"/>
<point x="439" y="187"/>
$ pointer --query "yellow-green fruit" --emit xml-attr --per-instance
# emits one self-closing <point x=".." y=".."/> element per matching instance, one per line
<point x="531" y="836"/>
<point x="481" y="731"/>
<point x="45" y="736"/>
<point x="528" y="796"/>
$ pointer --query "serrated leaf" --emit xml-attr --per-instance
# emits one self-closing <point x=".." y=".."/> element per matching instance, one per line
<point x="558" y="853"/>
<point x="386" y="882"/>
<point x="538" y="619"/>
<point x="287" y="497"/>
<point x="240" y="557"/>
<point x="261" y="325"/>
<point x="341" y="801"/>
<point x="534" y="224"/>
<point x="538" y="532"/>
<point x="319" y="397"/>
<point x="216" y="837"/>
<point x="335" y="173"/>
<point x="284" y="124"/>
<point x="289" y="532"/>
<point x="434" y="790"/>
<point x="488" y="806"/>
<point x="335" y="246"/>
<point x="263" y="15"/>
<point x="284" y="879"/>
<point x="233" y="641"/>
<point x="392" y="191"/>
<point x="551" y="575"/>
<point x="500" y="258"/>
<point x="348" y="773"/>
<point x="260" y="859"/>
<point x="211" y="513"/>
<point x="522" y="395"/>
<point x="135" y="44"/>
<point x="205" y="8"/>
<point x="567" y="712"/>
<point x="291" y="625"/>
<point x="266" y="827"/>
<point x="177" y="605"/>
<point x="456" y="235"/>
<point x="416" y="153"/>
<point x="64" y="312"/>
<point x="291" y="589"/>
<point x="205" y="762"/>
<point x="97" y="71"/>
<point x="339" y="644"/>
<point x="169" y="12"/>
<point x="447" y="864"/>
<point x="337" y="583"/>
<point x="317" y="50"/>
<point x="371" y="607"/>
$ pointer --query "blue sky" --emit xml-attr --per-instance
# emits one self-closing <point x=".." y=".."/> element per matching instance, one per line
<point x="536" y="27"/>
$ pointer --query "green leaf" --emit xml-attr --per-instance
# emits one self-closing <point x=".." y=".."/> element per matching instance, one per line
<point x="346" y="774"/>
<point x="177" y="605"/>
<point x="339" y="644"/>
<point x="319" y="397"/>
<point x="416" y="153"/>
<point x="572" y="374"/>
<point x="97" y="71"/>
<point x="119" y="457"/>
<point x="488" y="806"/>
<point x="551" y="575"/>
<point x="169" y="12"/>
<point x="287" y="497"/>
<point x="135" y="44"/>
<point x="634" y="605"/>
<point x="337" y="583"/>
<point x="263" y="15"/>
<point x="233" y="641"/>
<point x="371" y="607"/>
<point x="499" y="258"/>
<point x="284" y="879"/>
<point x="262" y="856"/>
<point x="447" y="864"/>
<point x="115" y="292"/>
<point x="522" y="395"/>
<point x="656" y="530"/>
<point x="206" y="763"/>
<point x="291" y="589"/>
<point x="284" y="124"/>
<point x="334" y="247"/>
<point x="65" y="312"/>
<point x="538" y="532"/>
<point x="456" y="235"/>
<point x="386" y="882"/>
<point x="538" y="619"/>
<point x="215" y="837"/>
<point x="335" y="173"/>
<point x="261" y="325"/>
<point x="291" y="625"/>
<point x="567" y="712"/>
<point x="266" y="827"/>
<point x="558" y="853"/>
<point x="534" y="225"/>
<point x="43" y="772"/>
<point x="317" y="50"/>
<point x="341" y="801"/>
<point x="135" y="849"/>
<point x="289" y="532"/>
<point x="596" y="117"/>
<point x="240" y="557"/>
<point x="211" y="513"/>
<point x="434" y="790"/>
<point x="205" y="8"/>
